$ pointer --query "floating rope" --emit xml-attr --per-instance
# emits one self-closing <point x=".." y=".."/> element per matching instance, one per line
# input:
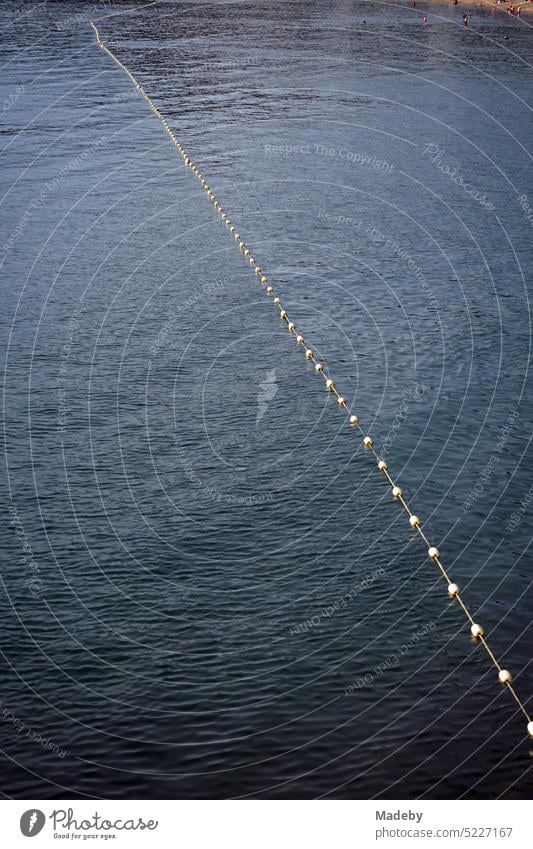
<point x="478" y="633"/>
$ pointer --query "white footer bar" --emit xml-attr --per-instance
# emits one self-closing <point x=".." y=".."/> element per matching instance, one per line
<point x="266" y="824"/>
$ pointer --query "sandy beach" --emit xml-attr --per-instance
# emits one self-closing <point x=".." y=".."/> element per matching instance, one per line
<point x="503" y="7"/>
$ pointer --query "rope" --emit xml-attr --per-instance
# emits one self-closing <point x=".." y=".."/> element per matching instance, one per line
<point x="504" y="676"/>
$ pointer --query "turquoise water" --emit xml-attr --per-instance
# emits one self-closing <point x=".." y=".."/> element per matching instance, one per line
<point x="207" y="589"/>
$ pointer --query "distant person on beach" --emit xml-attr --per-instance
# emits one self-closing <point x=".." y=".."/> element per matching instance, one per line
<point x="425" y="19"/>
<point x="465" y="18"/>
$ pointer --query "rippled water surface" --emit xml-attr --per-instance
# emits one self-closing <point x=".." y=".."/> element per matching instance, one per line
<point x="207" y="589"/>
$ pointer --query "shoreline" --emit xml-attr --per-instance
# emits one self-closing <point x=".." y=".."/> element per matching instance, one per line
<point x="525" y="8"/>
<point x="503" y="6"/>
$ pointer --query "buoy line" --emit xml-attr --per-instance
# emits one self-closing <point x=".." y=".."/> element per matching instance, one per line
<point x="477" y="631"/>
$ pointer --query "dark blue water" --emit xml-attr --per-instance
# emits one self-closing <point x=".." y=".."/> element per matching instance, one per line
<point x="207" y="589"/>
